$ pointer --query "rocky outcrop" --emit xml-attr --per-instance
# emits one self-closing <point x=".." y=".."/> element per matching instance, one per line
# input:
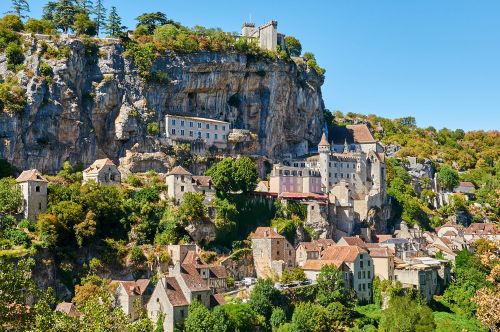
<point x="97" y="105"/>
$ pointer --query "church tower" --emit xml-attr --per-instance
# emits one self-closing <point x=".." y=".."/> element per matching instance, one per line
<point x="324" y="159"/>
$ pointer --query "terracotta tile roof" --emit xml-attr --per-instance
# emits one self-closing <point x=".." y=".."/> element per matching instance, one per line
<point x="266" y="233"/>
<point x="380" y="252"/>
<point x="217" y="299"/>
<point x="317" y="264"/>
<point x="204" y="181"/>
<point x="324" y="140"/>
<point x="218" y="271"/>
<point x="342" y="253"/>
<point x="482" y="229"/>
<point x="134" y="287"/>
<point x="382" y="237"/>
<point x="449" y="233"/>
<point x="68" y="308"/>
<point x="178" y="170"/>
<point x="174" y="292"/>
<point x="325" y="242"/>
<point x="98" y="165"/>
<point x="352" y="241"/>
<point x="31" y="175"/>
<point x="352" y="134"/>
<point x="310" y="246"/>
<point x="192" y="278"/>
<point x="442" y="248"/>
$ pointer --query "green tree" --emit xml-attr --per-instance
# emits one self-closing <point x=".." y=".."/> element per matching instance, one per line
<point x="40" y="26"/>
<point x="85" y="5"/>
<point x="192" y="208"/>
<point x="264" y="297"/>
<point x="448" y="178"/>
<point x="61" y="13"/>
<point x="405" y="314"/>
<point x="6" y="169"/>
<point x="151" y="20"/>
<point x="199" y="318"/>
<point x="226" y="214"/>
<point x="11" y="198"/>
<point x="83" y="25"/>
<point x="310" y="317"/>
<point x="85" y="230"/>
<point x="114" y="27"/>
<point x="330" y="284"/>
<point x="278" y="317"/>
<point x="293" y="45"/>
<point x="245" y="174"/>
<point x="242" y="318"/>
<point x="100" y="15"/>
<point x="20" y="8"/>
<point x="222" y="174"/>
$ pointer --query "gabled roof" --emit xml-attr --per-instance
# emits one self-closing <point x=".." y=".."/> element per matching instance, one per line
<point x="352" y="241"/>
<point x="178" y="170"/>
<point x="266" y="233"/>
<point x="134" y="287"/>
<point x="380" y="252"/>
<point x="310" y="246"/>
<point x="192" y="279"/>
<point x="174" y="292"/>
<point x="217" y="299"/>
<point x="68" y="308"/>
<point x="31" y="175"/>
<point x="358" y="133"/>
<point x="382" y="237"/>
<point x="342" y="253"/>
<point x="204" y="181"/>
<point x="482" y="229"/>
<point x="98" y="165"/>
<point x="317" y="264"/>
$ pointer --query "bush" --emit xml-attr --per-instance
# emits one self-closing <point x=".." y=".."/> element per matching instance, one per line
<point x="12" y="96"/>
<point x="40" y="26"/>
<point x="137" y="256"/>
<point x="12" y="22"/>
<point x="46" y="70"/>
<point x="293" y="46"/>
<point x="153" y="128"/>
<point x="14" y="54"/>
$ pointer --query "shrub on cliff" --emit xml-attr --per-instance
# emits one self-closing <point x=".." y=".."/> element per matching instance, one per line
<point x="40" y="26"/>
<point x="293" y="45"/>
<point x="12" y="96"/>
<point x="14" y="54"/>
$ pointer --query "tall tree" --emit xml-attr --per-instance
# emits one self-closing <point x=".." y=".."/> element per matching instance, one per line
<point x="87" y="6"/>
<point x="62" y="13"/>
<point x="114" y="27"/>
<point x="152" y="20"/>
<point x="100" y="15"/>
<point x="20" y="8"/>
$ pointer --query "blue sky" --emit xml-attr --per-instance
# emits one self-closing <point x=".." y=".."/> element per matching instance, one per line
<point x="438" y="61"/>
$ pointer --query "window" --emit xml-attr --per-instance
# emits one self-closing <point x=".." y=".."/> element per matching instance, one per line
<point x="341" y="175"/>
<point x="208" y="135"/>
<point x="335" y="174"/>
<point x="369" y="285"/>
<point x="199" y="296"/>
<point x="199" y="125"/>
<point x="191" y="124"/>
<point x="191" y="133"/>
<point x="354" y="176"/>
<point x="223" y="127"/>
<point x="364" y="287"/>
<point x="37" y="189"/>
<point x="277" y="252"/>
<point x="182" y="312"/>
<point x="369" y="274"/>
<point x="341" y="165"/>
<point x="330" y="164"/>
<point x="215" y="136"/>
<point x="369" y="263"/>
<point x="39" y="205"/>
<point x="173" y="131"/>
<point x="173" y="122"/>
<point x="347" y="165"/>
<point x="361" y="264"/>
<point x="359" y="287"/>
<point x="223" y="136"/>
<point x="182" y="178"/>
<point x="199" y="134"/>
<point x="216" y="127"/>
<point x="208" y="126"/>
<point x="348" y="175"/>
<point x="182" y="132"/>
<point x="364" y="274"/>
<point x="335" y="164"/>
<point x="182" y="188"/>
<point x="353" y="165"/>
<point x="359" y="274"/>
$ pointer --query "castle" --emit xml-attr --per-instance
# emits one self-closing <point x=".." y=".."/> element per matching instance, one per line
<point x="350" y="171"/>
<point x="267" y="35"/>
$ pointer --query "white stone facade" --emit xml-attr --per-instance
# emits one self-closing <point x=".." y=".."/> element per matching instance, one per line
<point x="102" y="171"/>
<point x="34" y="189"/>
<point x="267" y="35"/>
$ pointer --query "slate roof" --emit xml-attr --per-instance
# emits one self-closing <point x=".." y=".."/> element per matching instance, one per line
<point x="359" y="133"/>
<point x="266" y="233"/>
<point x="31" y="175"/>
<point x="178" y="170"/>
<point x="98" y="165"/>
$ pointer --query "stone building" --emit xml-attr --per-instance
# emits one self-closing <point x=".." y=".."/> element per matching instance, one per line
<point x="180" y="181"/>
<point x="34" y="189"/>
<point x="102" y="171"/>
<point x="267" y="35"/>
<point x="311" y="250"/>
<point x="272" y="253"/>
<point x="128" y="294"/>
<point x="383" y="261"/>
<point x="201" y="133"/>
<point x="294" y="179"/>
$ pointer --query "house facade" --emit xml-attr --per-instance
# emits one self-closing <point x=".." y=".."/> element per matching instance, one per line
<point x="272" y="253"/>
<point x="34" y="189"/>
<point x="131" y="295"/>
<point x="180" y="181"/>
<point x="102" y="171"/>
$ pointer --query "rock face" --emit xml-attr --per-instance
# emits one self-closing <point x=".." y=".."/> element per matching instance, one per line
<point x="97" y="105"/>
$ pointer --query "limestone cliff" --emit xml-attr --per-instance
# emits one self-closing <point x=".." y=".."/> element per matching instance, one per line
<point x="96" y="104"/>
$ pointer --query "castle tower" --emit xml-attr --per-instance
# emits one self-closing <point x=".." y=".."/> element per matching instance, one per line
<point x="324" y="158"/>
<point x="346" y="146"/>
<point x="34" y="188"/>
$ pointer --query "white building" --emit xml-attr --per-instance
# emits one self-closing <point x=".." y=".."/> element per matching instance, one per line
<point x="267" y="35"/>
<point x="180" y="181"/>
<point x="187" y="129"/>
<point x="102" y="171"/>
<point x="34" y="188"/>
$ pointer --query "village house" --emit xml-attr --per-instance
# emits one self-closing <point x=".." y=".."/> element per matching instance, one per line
<point x="402" y="248"/>
<point x="34" y="189"/>
<point x="383" y="261"/>
<point x="272" y="253"/>
<point x="68" y="309"/>
<point x="132" y="295"/>
<point x="354" y="261"/>
<point x="102" y="171"/>
<point x="487" y="231"/>
<point x="180" y="181"/>
<point x="311" y="250"/>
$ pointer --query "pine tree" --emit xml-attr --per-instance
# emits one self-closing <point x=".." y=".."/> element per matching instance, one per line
<point x="114" y="26"/>
<point x="100" y="15"/>
<point x="87" y="6"/>
<point x="20" y="8"/>
<point x="63" y="14"/>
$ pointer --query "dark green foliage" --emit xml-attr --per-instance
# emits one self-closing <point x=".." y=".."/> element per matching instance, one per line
<point x="404" y="314"/>
<point x="14" y="54"/>
<point x="293" y="46"/>
<point x="11" y="199"/>
<point x="40" y="26"/>
<point x="137" y="256"/>
<point x="265" y="297"/>
<point x="151" y="20"/>
<point x="192" y="208"/>
<point x="278" y="317"/>
<point x="242" y="318"/>
<point x="202" y="319"/>
<point x="448" y="178"/>
<point x="82" y="25"/>
<point x="330" y="284"/>
<point x="61" y="13"/>
<point x="20" y="8"/>
<point x="153" y="128"/>
<point x="6" y="169"/>
<point x="100" y="15"/>
<point x="114" y="27"/>
<point x="46" y="70"/>
<point x="231" y="175"/>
